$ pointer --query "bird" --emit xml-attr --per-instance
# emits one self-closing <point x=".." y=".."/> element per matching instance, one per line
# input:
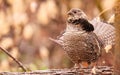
<point x="84" y="40"/>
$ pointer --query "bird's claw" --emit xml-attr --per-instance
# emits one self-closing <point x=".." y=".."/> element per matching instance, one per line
<point x="76" y="68"/>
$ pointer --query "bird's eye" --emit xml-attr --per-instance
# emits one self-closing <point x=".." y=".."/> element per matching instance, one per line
<point x="75" y="12"/>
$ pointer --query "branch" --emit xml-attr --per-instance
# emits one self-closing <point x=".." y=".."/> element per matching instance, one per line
<point x="19" y="63"/>
<point x="103" y="70"/>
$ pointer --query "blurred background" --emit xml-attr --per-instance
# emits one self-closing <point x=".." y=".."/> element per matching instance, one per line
<point x="26" y="25"/>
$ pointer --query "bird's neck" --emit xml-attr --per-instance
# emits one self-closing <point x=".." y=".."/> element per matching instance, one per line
<point x="81" y="24"/>
<point x="71" y="27"/>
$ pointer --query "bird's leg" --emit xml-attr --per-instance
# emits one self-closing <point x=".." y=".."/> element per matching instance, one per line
<point x="93" y="65"/>
<point x="76" y="67"/>
<point x="94" y="69"/>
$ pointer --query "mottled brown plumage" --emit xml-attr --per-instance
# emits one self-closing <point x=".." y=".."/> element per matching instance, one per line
<point x="81" y="41"/>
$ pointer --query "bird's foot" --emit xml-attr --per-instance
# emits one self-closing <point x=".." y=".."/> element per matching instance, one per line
<point x="76" y="68"/>
<point x="95" y="70"/>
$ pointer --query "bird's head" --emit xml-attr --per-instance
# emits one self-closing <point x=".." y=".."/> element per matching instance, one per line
<point x="77" y="16"/>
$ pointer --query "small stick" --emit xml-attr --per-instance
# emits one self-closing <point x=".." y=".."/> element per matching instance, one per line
<point x="18" y="62"/>
<point x="105" y="10"/>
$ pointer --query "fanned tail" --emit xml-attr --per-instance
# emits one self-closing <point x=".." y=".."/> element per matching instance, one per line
<point x="105" y="32"/>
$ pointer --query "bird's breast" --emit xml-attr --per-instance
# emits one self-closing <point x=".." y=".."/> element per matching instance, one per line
<point x="80" y="46"/>
<point x="73" y="40"/>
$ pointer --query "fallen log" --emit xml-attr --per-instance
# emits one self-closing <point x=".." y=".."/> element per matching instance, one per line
<point x="103" y="70"/>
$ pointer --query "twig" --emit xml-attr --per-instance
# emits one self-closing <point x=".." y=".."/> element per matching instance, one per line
<point x="102" y="12"/>
<point x="18" y="62"/>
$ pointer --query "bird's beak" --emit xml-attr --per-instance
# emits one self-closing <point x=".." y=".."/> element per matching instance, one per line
<point x="69" y="13"/>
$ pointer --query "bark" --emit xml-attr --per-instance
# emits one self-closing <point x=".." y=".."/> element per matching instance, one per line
<point x="103" y="70"/>
<point x="117" y="47"/>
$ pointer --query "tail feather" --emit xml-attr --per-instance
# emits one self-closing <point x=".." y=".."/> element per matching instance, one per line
<point x="105" y="32"/>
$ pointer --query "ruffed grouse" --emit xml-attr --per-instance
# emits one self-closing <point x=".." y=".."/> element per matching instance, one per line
<point x="84" y="40"/>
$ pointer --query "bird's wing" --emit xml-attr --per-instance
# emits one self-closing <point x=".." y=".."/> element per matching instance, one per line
<point x="59" y="38"/>
<point x="105" y="32"/>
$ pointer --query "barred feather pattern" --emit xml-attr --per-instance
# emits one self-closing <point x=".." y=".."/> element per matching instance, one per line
<point x="80" y="45"/>
<point x="80" y="42"/>
<point x="104" y="31"/>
